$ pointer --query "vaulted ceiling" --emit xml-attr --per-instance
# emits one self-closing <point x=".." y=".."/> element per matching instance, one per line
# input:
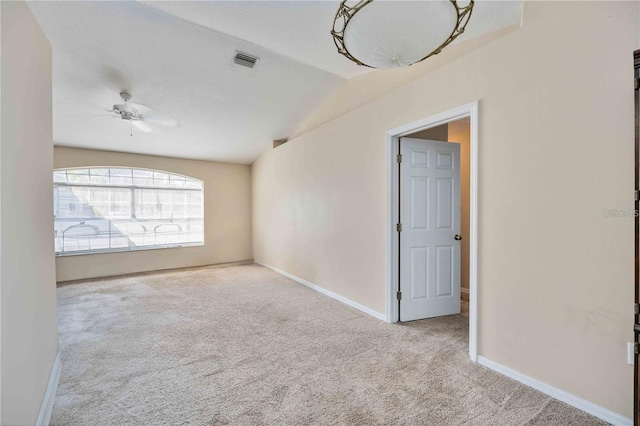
<point x="176" y="57"/>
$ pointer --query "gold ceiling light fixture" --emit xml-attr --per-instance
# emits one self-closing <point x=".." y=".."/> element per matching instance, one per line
<point x="392" y="34"/>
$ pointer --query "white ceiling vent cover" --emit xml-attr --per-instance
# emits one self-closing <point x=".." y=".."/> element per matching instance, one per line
<point x="245" y="59"/>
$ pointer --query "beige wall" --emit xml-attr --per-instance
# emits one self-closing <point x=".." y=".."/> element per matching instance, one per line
<point x="227" y="204"/>
<point x="460" y="132"/>
<point x="555" y="149"/>
<point x="29" y="319"/>
<point x="362" y="89"/>
<point x="438" y="133"/>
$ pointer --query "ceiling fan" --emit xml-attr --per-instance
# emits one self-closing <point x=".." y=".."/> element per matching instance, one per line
<point x="138" y="115"/>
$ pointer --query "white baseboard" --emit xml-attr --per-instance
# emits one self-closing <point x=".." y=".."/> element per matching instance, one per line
<point x="573" y="400"/>
<point x="570" y="399"/>
<point x="331" y="294"/>
<point x="47" y="403"/>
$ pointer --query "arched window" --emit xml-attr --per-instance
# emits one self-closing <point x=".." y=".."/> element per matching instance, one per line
<point x="101" y="209"/>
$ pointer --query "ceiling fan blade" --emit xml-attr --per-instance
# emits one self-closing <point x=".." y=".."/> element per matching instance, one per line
<point x="142" y="109"/>
<point x="161" y="121"/>
<point x="141" y="126"/>
<point x="95" y="108"/>
<point x="109" y="114"/>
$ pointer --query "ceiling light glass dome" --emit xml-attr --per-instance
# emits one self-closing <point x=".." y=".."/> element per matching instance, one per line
<point x="391" y="34"/>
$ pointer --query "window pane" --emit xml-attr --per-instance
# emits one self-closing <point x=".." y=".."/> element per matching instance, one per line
<point x="160" y="179"/>
<point x="143" y="173"/>
<point x="193" y="184"/>
<point x="100" y="195"/>
<point x="78" y="176"/>
<point x="194" y="197"/>
<point x="73" y="202"/>
<point x="177" y="181"/>
<point x="94" y="213"/>
<point x="120" y="172"/>
<point x="143" y="182"/>
<point x="99" y="176"/>
<point x="164" y="203"/>
<point x="60" y="176"/>
<point x="121" y="177"/>
<point x="100" y="180"/>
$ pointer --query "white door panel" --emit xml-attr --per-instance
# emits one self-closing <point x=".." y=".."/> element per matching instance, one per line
<point x="430" y="216"/>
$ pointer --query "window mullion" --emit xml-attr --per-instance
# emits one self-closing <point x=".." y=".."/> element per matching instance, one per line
<point x="133" y="202"/>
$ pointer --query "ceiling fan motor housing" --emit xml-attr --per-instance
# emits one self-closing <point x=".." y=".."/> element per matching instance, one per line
<point x="126" y="112"/>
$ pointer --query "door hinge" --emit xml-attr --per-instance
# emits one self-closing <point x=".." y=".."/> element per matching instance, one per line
<point x="637" y="195"/>
<point x="636" y="83"/>
<point x="399" y="227"/>
<point x="636" y="348"/>
<point x="399" y="158"/>
<point x="637" y="308"/>
<point x="399" y="295"/>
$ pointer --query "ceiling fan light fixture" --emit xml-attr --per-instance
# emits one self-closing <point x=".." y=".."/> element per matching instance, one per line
<point x="392" y="34"/>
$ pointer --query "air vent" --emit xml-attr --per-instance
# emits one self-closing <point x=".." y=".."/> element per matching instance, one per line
<point x="245" y="60"/>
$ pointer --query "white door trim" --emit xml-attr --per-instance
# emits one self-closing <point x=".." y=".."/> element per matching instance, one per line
<point x="469" y="110"/>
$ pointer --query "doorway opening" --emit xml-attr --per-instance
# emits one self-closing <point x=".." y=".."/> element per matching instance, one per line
<point x="443" y="143"/>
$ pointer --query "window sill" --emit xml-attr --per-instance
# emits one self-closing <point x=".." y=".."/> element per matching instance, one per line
<point x="127" y="250"/>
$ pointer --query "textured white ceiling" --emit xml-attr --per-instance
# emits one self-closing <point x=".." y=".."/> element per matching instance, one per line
<point x="227" y="112"/>
<point x="301" y="29"/>
<point x="298" y="29"/>
<point x="176" y="58"/>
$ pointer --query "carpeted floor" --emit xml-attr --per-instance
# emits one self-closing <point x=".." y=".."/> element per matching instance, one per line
<point x="243" y="345"/>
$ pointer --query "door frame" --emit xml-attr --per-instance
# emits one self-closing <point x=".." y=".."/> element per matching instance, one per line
<point x="392" y="280"/>
<point x="636" y="185"/>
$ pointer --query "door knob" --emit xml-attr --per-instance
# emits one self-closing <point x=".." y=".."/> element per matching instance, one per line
<point x="458" y="237"/>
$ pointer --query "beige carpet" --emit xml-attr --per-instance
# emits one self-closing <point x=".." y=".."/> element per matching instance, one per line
<point x="243" y="345"/>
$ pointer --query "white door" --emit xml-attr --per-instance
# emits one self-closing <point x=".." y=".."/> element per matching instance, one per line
<point x="430" y="219"/>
